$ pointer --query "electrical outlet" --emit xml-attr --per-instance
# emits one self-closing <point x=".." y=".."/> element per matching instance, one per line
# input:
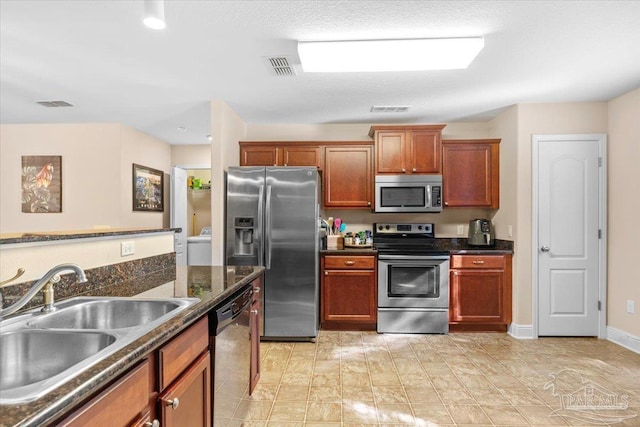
<point x="510" y="230"/>
<point x="461" y="230"/>
<point x="127" y="248"/>
<point x="631" y="309"/>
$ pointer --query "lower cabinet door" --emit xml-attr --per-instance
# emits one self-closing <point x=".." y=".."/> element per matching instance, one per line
<point x="187" y="402"/>
<point x="477" y="296"/>
<point x="254" y="367"/>
<point x="349" y="295"/>
<point x="121" y="405"/>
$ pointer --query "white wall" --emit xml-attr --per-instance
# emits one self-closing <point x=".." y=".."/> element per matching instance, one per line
<point x="624" y="206"/>
<point x="96" y="175"/>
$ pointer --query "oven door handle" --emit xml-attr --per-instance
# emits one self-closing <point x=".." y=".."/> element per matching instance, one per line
<point x="412" y="257"/>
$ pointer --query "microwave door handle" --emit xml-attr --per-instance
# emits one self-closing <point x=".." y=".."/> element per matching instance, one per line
<point x="429" y="195"/>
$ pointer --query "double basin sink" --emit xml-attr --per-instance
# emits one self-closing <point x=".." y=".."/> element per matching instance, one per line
<point x="40" y="351"/>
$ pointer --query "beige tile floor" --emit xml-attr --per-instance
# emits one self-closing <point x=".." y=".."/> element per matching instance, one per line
<point x="364" y="378"/>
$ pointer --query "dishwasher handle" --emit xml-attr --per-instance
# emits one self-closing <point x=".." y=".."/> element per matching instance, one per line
<point x="226" y="314"/>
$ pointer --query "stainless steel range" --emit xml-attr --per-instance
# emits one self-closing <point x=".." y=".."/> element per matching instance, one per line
<point x="413" y="279"/>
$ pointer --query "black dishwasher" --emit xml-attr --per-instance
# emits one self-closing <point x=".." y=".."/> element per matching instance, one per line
<point x="231" y="346"/>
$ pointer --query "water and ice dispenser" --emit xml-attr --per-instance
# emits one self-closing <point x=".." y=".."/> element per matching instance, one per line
<point x="244" y="231"/>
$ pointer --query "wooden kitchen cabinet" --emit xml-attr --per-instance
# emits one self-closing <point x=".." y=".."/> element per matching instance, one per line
<point x="348" y="292"/>
<point x="289" y="153"/>
<point x="347" y="177"/>
<point x="187" y="401"/>
<point x="255" y="328"/>
<point x="471" y="173"/>
<point x="480" y="292"/>
<point x="125" y="403"/>
<point x="178" y="370"/>
<point x="407" y="149"/>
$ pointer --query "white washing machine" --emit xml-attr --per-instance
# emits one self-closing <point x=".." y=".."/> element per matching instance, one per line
<point x="199" y="248"/>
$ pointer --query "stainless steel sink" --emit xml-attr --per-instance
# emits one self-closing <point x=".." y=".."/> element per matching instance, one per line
<point x="107" y="314"/>
<point x="41" y="351"/>
<point x="30" y="356"/>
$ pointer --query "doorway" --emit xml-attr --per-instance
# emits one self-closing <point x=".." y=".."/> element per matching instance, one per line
<point x="569" y="235"/>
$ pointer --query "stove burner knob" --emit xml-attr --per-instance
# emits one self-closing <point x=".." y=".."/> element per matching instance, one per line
<point x="419" y="227"/>
<point x="380" y="227"/>
<point x="387" y="227"/>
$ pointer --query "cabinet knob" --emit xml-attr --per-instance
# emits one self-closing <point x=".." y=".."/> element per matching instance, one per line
<point x="173" y="403"/>
<point x="446" y="203"/>
<point x="368" y="203"/>
<point x="478" y="262"/>
<point x="413" y="170"/>
<point x="404" y="170"/>
<point x="285" y="164"/>
<point x="254" y="312"/>
<point x="256" y="290"/>
<point x="154" y="423"/>
<point x="326" y="273"/>
<point x="349" y="262"/>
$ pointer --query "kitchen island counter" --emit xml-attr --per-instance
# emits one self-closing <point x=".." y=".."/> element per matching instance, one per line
<point x="211" y="284"/>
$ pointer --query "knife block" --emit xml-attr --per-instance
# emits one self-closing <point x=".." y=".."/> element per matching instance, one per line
<point x="335" y="241"/>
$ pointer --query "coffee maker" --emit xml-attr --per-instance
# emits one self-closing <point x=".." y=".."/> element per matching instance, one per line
<point x="481" y="233"/>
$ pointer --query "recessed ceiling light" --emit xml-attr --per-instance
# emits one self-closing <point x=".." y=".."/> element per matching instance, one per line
<point x="182" y="128"/>
<point x="389" y="55"/>
<point x="390" y="108"/>
<point x="209" y="137"/>
<point x="54" y="103"/>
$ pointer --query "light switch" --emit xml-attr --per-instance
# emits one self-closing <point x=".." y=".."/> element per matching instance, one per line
<point x="460" y="230"/>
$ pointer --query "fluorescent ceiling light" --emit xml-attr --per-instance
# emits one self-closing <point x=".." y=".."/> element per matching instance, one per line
<point x="154" y="14"/>
<point x="389" y="55"/>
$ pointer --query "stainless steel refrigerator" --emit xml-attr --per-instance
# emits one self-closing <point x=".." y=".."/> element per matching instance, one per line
<point x="272" y="220"/>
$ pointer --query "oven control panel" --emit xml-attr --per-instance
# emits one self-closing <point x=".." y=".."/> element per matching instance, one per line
<point x="412" y="228"/>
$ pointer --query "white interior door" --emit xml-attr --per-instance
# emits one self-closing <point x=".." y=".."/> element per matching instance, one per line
<point x="568" y="234"/>
<point x="179" y="212"/>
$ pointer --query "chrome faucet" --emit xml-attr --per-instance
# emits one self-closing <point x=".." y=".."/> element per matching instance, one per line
<point x="45" y="282"/>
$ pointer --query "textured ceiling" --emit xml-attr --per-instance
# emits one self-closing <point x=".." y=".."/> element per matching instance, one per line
<point x="98" y="56"/>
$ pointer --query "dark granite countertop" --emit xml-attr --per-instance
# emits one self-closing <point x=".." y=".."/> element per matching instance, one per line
<point x="211" y="284"/>
<point x="46" y="236"/>
<point x="452" y="245"/>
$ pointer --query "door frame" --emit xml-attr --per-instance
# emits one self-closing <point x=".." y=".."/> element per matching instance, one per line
<point x="602" y="223"/>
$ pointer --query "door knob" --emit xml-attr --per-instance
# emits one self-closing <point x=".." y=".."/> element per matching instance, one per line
<point x="545" y="249"/>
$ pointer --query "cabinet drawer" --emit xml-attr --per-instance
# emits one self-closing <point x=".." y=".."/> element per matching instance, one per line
<point x="176" y="356"/>
<point x="349" y="262"/>
<point x="477" y="261"/>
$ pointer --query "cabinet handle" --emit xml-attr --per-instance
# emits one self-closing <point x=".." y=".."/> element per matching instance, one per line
<point x="349" y="262"/>
<point x="254" y="312"/>
<point x="446" y="203"/>
<point x="256" y="290"/>
<point x="478" y="262"/>
<point x="173" y="403"/>
<point x="154" y="423"/>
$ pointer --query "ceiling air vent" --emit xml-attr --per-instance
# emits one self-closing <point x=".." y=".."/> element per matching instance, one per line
<point x="54" y="103"/>
<point x="390" y="109"/>
<point x="279" y="66"/>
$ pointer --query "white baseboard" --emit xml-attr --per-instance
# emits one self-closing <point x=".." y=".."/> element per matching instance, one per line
<point x="624" y="339"/>
<point x="523" y="332"/>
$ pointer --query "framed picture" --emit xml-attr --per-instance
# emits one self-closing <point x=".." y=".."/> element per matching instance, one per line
<point x="148" y="189"/>
<point x="42" y="184"/>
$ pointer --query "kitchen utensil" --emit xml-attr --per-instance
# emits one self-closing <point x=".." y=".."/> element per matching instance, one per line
<point x="343" y="227"/>
<point x="336" y="223"/>
<point x="330" y="222"/>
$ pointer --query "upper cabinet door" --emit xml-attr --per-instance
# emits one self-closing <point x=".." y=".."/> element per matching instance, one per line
<point x="260" y="155"/>
<point x="391" y="152"/>
<point x="302" y="156"/>
<point x="407" y="149"/>
<point x="347" y="179"/>
<point x="425" y="156"/>
<point x="471" y="173"/>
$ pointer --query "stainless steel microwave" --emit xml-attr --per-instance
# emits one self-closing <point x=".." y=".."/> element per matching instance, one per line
<point x="408" y="193"/>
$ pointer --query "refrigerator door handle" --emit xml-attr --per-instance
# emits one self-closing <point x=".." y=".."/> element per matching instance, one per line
<point x="259" y="232"/>
<point x="268" y="230"/>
